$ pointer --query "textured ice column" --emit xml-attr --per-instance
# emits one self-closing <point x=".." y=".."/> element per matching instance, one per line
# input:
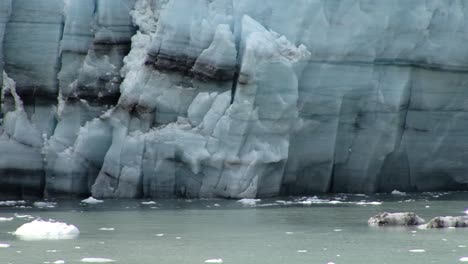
<point x="21" y="165"/>
<point x="77" y="39"/>
<point x="151" y="95"/>
<point x="5" y="10"/>
<point x="437" y="114"/>
<point x="99" y="77"/>
<point x="371" y="123"/>
<point x="187" y="28"/>
<point x="31" y="51"/>
<point x="74" y="159"/>
<point x="96" y="38"/>
<point x="250" y="143"/>
<point x="31" y="45"/>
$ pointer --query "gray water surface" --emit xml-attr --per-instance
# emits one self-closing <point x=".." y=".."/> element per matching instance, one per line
<point x="271" y="232"/>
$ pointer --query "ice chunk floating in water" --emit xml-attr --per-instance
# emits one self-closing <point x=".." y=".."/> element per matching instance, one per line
<point x="41" y="230"/>
<point x="417" y="250"/>
<point x="214" y="261"/>
<point x="448" y="222"/>
<point x="396" y="219"/>
<point x="96" y="260"/>
<point x="92" y="200"/>
<point x="250" y="202"/>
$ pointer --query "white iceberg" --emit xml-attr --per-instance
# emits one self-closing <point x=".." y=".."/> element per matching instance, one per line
<point x="96" y="260"/>
<point x="11" y="203"/>
<point x="148" y="203"/>
<point x="44" y="204"/>
<point x="214" y="261"/>
<point x="396" y="192"/>
<point x="250" y="202"/>
<point x="107" y="229"/>
<point x="43" y="230"/>
<point x="92" y="200"/>
<point x="396" y="219"/>
<point x="448" y="222"/>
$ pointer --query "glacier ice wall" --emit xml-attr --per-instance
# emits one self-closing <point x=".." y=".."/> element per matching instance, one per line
<point x="232" y="98"/>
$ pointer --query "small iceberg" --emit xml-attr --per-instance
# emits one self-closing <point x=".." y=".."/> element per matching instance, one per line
<point x="4" y="245"/>
<point x="214" y="261"/>
<point x="417" y="250"/>
<point x="148" y="203"/>
<point x="43" y="230"/>
<point x="24" y="216"/>
<point x="44" y="204"/>
<point x="396" y="219"/>
<point x="96" y="260"/>
<point x="448" y="222"/>
<point x="396" y="192"/>
<point x="6" y="219"/>
<point x="369" y="203"/>
<point x="107" y="229"/>
<point x="92" y="200"/>
<point x="250" y="202"/>
<point x="12" y="203"/>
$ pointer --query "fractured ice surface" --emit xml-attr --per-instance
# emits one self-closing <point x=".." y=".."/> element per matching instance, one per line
<point x="237" y="99"/>
<point x="448" y="221"/>
<point x="396" y="219"/>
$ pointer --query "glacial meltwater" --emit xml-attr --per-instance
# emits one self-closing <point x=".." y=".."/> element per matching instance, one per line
<point x="312" y="230"/>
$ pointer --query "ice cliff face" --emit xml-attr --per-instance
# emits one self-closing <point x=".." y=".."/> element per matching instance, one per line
<point x="232" y="98"/>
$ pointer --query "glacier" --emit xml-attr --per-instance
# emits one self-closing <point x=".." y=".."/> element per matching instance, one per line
<point x="232" y="98"/>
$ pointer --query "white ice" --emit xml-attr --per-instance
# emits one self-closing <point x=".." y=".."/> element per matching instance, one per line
<point x="92" y="200"/>
<point x="97" y="260"/>
<point x="214" y="261"/>
<point x="43" y="230"/>
<point x="250" y="202"/>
